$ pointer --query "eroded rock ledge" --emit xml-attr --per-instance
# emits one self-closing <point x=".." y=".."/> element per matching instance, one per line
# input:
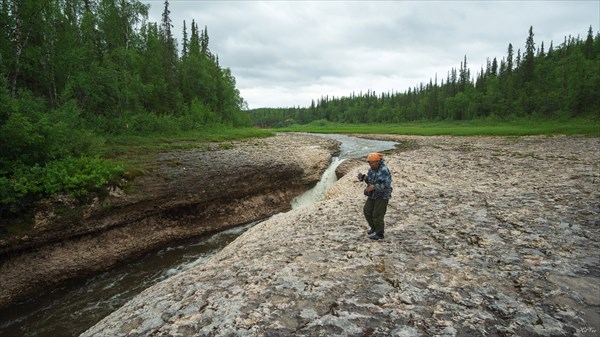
<point x="484" y="236"/>
<point x="183" y="194"/>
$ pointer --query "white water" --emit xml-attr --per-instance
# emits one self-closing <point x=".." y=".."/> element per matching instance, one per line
<point x="317" y="193"/>
<point x="351" y="147"/>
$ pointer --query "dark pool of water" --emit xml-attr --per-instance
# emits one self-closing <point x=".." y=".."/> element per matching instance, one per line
<point x="75" y="306"/>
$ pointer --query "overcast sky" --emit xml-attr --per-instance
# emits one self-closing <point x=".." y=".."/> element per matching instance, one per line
<point x="287" y="53"/>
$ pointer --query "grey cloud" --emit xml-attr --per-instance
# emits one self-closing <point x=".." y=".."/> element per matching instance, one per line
<point x="281" y="52"/>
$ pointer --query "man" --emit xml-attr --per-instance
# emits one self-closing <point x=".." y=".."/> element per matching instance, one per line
<point x="378" y="192"/>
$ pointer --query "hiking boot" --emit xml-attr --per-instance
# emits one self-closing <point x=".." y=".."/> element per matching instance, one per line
<point x="370" y="231"/>
<point x="376" y="237"/>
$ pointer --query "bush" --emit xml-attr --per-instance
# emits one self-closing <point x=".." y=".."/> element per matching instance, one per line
<point x="320" y="122"/>
<point x="26" y="134"/>
<point x="33" y="134"/>
<point x="202" y="115"/>
<point x="47" y="151"/>
<point x="76" y="176"/>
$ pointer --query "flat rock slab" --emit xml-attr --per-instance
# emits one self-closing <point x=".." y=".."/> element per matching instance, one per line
<point x="484" y="236"/>
<point x="183" y="194"/>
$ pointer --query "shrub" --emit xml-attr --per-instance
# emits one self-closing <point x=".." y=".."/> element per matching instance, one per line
<point x="76" y="176"/>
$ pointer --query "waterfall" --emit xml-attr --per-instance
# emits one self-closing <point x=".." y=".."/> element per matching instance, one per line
<point x="317" y="193"/>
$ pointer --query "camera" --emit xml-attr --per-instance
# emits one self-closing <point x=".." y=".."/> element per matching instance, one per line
<point x="362" y="177"/>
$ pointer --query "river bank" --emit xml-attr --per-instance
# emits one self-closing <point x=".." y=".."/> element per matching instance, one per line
<point x="484" y="236"/>
<point x="182" y="194"/>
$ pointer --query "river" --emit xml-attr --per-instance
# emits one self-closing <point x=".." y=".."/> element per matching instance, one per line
<point x="75" y="306"/>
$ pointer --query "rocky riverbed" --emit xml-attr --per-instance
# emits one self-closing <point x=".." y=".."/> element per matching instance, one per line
<point x="182" y="194"/>
<point x="484" y="237"/>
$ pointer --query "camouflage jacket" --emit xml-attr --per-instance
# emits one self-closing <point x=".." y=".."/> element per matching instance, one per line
<point x="382" y="180"/>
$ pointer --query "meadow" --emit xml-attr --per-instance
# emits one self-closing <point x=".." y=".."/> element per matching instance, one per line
<point x="487" y="127"/>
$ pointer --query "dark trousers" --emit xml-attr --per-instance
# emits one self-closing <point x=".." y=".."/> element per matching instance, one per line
<point x="374" y="211"/>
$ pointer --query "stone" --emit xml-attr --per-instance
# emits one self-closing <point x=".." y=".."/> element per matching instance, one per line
<point x="478" y="246"/>
<point x="185" y="193"/>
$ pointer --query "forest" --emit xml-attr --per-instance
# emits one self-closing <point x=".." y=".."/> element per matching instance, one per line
<point x="553" y="82"/>
<point x="76" y="73"/>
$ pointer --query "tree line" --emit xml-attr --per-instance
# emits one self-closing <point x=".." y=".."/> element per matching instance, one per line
<point x="74" y="73"/>
<point x="558" y="82"/>
<point x="106" y="57"/>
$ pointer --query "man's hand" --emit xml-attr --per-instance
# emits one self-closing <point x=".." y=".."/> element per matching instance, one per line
<point x="370" y="188"/>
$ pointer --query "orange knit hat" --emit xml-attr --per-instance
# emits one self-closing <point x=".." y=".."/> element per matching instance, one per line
<point x="375" y="156"/>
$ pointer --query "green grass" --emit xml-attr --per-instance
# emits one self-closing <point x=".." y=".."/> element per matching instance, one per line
<point x="521" y="127"/>
<point x="136" y="154"/>
<point x="125" y="155"/>
<point x="126" y="146"/>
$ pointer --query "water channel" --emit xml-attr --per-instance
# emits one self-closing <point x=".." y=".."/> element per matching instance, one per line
<point x="73" y="307"/>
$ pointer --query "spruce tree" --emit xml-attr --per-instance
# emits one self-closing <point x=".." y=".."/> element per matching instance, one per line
<point x="588" y="48"/>
<point x="528" y="59"/>
<point x="185" y="42"/>
<point x="509" y="59"/>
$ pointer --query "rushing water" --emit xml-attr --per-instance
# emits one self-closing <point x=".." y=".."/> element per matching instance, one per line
<point x="72" y="308"/>
<point x="351" y="147"/>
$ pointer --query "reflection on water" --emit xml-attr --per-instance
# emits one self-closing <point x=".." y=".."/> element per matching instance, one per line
<point x="353" y="147"/>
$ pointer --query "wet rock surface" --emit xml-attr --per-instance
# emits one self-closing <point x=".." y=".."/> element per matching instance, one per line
<point x="484" y="236"/>
<point x="182" y="194"/>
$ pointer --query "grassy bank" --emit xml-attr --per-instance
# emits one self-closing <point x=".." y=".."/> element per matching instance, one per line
<point x="130" y="145"/>
<point x="521" y="127"/>
<point x="112" y="158"/>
